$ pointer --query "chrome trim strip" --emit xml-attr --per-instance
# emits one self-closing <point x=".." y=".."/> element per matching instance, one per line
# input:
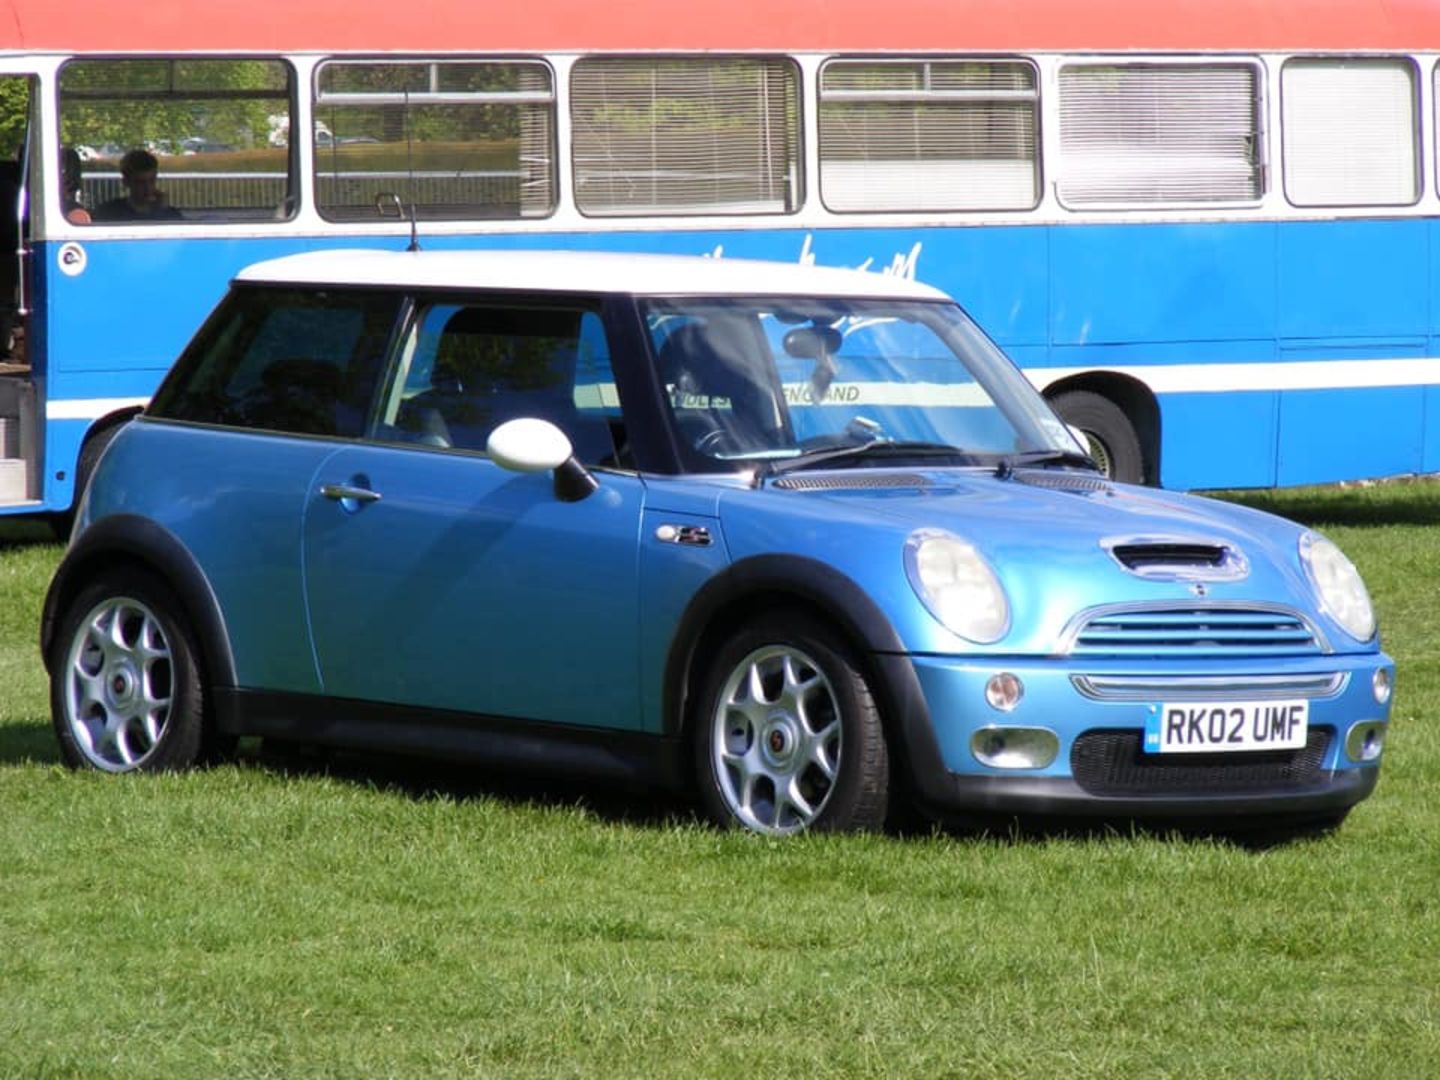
<point x="1324" y="684"/>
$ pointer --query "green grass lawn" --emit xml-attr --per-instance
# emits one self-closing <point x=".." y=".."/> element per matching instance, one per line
<point x="271" y="918"/>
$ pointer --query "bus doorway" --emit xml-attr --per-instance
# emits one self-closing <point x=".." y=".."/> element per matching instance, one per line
<point x="18" y="420"/>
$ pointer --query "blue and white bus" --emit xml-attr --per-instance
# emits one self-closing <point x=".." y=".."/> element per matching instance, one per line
<point x="1209" y="233"/>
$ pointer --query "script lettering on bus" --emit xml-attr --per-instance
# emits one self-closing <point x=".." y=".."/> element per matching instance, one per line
<point x="902" y="264"/>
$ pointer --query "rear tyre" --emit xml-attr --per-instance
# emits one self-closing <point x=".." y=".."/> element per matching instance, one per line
<point x="1110" y="438"/>
<point x="126" y="684"/>
<point x="788" y="736"/>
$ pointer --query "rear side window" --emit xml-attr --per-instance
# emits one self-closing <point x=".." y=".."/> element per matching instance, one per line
<point x="302" y="362"/>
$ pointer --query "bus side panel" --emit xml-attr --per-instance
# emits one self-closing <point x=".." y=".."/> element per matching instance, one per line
<point x="1157" y="295"/>
<point x="1219" y="440"/>
<point x="1430" y="448"/>
<point x="1215" y="435"/>
<point x="1326" y="435"/>
<point x="1163" y="283"/>
<point x="1346" y="280"/>
<point x="1430" y="457"/>
<point x="1353" y="292"/>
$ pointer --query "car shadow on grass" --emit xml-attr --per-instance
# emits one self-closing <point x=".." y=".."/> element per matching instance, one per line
<point x="425" y="778"/>
<point x="30" y="742"/>
<point x="646" y="807"/>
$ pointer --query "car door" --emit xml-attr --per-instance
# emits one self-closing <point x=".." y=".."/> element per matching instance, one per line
<point x="434" y="577"/>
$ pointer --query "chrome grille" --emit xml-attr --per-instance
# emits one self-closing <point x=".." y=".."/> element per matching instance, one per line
<point x="1209" y="687"/>
<point x="1194" y="631"/>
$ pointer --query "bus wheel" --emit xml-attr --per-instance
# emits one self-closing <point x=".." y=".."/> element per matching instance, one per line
<point x="1109" y="436"/>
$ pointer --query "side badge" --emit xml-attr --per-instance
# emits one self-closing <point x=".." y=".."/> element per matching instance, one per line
<point x="72" y="259"/>
<point x="686" y="535"/>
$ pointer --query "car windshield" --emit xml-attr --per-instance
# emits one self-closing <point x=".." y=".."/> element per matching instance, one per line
<point x="841" y="382"/>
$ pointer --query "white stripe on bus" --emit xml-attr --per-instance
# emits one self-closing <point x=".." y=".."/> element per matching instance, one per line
<point x="88" y="408"/>
<point x="1162" y="378"/>
<point x="1282" y="375"/>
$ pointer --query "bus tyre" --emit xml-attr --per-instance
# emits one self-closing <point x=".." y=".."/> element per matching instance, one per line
<point x="1109" y="436"/>
<point x="126" y="685"/>
<point x="788" y="736"/>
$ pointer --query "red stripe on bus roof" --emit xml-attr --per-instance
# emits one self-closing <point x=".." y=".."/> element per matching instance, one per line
<point x="795" y="25"/>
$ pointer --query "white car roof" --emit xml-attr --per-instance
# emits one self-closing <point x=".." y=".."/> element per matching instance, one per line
<point x="580" y="271"/>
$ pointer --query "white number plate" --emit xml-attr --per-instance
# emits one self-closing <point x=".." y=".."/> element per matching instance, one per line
<point x="1198" y="727"/>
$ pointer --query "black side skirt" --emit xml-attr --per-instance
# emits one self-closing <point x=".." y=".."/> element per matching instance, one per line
<point x="529" y="746"/>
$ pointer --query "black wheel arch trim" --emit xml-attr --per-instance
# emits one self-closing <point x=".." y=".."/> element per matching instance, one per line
<point x="136" y="539"/>
<point x="821" y="588"/>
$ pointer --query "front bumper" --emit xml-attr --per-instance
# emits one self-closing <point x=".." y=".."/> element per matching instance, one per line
<point x="1101" y="768"/>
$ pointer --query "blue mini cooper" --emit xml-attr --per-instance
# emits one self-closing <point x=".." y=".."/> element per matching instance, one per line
<point x="801" y="541"/>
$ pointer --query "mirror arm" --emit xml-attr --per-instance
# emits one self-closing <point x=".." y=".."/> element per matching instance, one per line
<point x="573" y="481"/>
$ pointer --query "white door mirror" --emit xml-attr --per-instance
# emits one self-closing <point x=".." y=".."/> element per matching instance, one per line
<point x="528" y="445"/>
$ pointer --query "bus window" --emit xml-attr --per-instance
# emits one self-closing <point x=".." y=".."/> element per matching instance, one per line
<point x="1351" y="132"/>
<point x="455" y="139"/>
<point x="713" y="135"/>
<point x="209" y="127"/>
<point x="929" y="135"/>
<point x="1137" y="134"/>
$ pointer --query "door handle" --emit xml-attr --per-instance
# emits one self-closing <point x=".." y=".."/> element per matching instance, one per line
<point x="343" y="492"/>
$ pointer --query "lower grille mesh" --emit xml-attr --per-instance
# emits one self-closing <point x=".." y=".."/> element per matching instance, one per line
<point x="1114" y="763"/>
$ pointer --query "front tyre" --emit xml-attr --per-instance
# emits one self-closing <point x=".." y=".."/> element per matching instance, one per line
<point x="788" y="736"/>
<point x="126" y="687"/>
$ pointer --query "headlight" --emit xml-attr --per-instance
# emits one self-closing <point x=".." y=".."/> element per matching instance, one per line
<point x="1337" y="583"/>
<point x="956" y="585"/>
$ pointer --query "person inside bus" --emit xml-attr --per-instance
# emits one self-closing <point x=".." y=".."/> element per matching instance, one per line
<point x="72" y="195"/>
<point x="143" y="200"/>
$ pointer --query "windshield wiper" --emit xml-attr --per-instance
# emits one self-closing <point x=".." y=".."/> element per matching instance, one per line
<point x="880" y="448"/>
<point x="1010" y="462"/>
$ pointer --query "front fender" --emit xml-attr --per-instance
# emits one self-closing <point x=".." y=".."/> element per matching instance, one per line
<point x="128" y="537"/>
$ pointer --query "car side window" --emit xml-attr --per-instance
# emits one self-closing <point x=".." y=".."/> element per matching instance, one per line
<point x="467" y="368"/>
<point x="302" y="362"/>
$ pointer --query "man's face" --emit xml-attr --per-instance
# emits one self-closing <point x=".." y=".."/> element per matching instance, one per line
<point x="143" y="188"/>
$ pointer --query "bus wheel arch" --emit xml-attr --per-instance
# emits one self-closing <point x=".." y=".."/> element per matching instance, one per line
<point x="93" y="445"/>
<point x="1119" y="413"/>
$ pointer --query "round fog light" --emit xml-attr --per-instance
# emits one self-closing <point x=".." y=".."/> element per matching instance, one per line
<point x="1365" y="741"/>
<point x="1382" y="685"/>
<point x="1004" y="691"/>
<point x="1015" y="747"/>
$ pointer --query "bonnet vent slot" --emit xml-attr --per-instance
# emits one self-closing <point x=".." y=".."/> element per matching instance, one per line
<point x="1140" y="557"/>
<point x="852" y="481"/>
<point x="1179" y="559"/>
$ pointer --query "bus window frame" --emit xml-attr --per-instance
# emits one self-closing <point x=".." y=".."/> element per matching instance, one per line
<point x="1036" y="96"/>
<point x="1262" y="152"/>
<point x="1417" y="105"/>
<point x="289" y="207"/>
<point x="556" y="194"/>
<point x="798" y="178"/>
